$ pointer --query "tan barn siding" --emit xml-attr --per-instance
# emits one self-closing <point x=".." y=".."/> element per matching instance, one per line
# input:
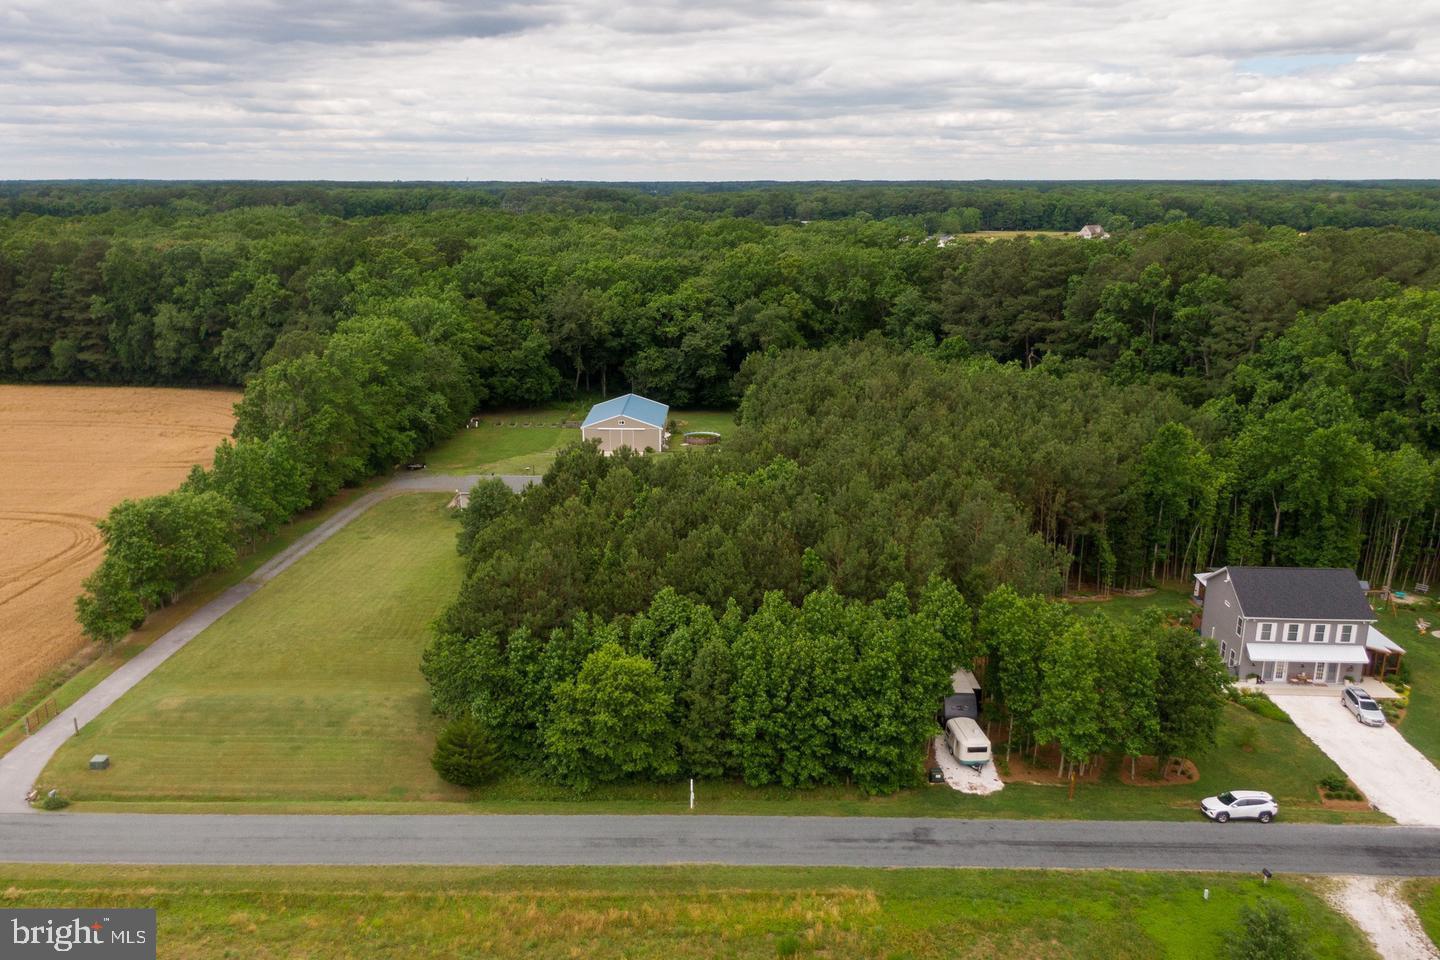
<point x="613" y="435"/>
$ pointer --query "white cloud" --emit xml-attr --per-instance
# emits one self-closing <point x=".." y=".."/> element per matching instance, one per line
<point x="587" y="89"/>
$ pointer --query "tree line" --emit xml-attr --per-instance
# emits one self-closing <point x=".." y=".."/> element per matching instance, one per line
<point x="955" y="206"/>
<point x="829" y="690"/>
<point x="669" y="302"/>
<point x="384" y="386"/>
<point x="825" y="691"/>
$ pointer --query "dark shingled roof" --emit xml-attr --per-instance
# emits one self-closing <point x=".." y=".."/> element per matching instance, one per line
<point x="1300" y="593"/>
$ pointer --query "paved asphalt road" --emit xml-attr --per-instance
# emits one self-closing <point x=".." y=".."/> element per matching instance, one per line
<point x="20" y="768"/>
<point x="805" y="841"/>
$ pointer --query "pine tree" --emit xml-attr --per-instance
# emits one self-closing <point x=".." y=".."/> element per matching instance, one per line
<point x="465" y="753"/>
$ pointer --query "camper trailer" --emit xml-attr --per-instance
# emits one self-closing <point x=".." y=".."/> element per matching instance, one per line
<point x="967" y="742"/>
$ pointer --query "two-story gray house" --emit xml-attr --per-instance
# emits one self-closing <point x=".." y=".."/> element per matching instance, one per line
<point x="1291" y="623"/>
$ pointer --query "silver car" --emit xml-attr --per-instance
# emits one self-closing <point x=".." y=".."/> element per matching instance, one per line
<point x="1366" y="710"/>
<point x="1240" y="805"/>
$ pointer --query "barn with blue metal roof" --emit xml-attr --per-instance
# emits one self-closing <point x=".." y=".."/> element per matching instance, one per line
<point x="630" y="421"/>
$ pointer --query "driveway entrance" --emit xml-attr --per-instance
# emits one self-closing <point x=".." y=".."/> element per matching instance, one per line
<point x="1397" y="778"/>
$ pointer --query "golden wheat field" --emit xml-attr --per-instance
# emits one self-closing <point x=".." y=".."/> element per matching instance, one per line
<point x="68" y="454"/>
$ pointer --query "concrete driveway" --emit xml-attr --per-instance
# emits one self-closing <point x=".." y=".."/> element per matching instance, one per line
<point x="982" y="782"/>
<point x="1392" y="774"/>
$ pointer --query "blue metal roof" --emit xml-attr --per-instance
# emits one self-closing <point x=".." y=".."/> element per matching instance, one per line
<point x="632" y="406"/>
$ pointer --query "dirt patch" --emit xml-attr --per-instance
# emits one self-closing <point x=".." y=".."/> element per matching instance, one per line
<point x="1352" y="805"/>
<point x="1177" y="772"/>
<point x="1102" y="597"/>
<point x="71" y="453"/>
<point x="1043" y="770"/>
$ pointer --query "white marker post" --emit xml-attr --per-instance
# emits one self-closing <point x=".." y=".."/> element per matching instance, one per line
<point x="692" y="793"/>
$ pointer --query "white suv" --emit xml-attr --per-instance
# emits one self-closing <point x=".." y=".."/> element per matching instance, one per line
<point x="1241" y="805"/>
<point x="1366" y="710"/>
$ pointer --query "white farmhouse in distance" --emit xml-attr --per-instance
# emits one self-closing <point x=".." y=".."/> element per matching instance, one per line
<point x="630" y="421"/>
<point x="1092" y="231"/>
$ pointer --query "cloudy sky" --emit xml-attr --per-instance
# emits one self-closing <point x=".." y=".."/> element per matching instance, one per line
<point x="724" y="89"/>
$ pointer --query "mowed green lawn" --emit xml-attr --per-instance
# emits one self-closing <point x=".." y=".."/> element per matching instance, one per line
<point x="1424" y="897"/>
<point x="310" y="689"/>
<point x="1421" y="723"/>
<point x="681" y="912"/>
<point x="527" y="440"/>
<point x="509" y="441"/>
<point x="1254" y="753"/>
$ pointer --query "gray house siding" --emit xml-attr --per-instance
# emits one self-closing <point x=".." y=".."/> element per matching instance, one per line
<point x="1223" y="620"/>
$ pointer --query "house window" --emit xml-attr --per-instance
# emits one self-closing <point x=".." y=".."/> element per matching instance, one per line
<point x="1292" y="633"/>
<point x="1267" y="632"/>
<point x="1234" y="658"/>
<point x="1278" y="671"/>
<point x="1319" y="632"/>
<point x="621" y="422"/>
<point x="1227" y="603"/>
<point x="1239" y="626"/>
<point x="1347" y="633"/>
<point x="1223" y="649"/>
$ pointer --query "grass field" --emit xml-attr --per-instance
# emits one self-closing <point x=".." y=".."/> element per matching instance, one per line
<point x="69" y="455"/>
<point x="1421" y="723"/>
<point x="307" y="697"/>
<point x="680" y="912"/>
<point x="1012" y="234"/>
<point x="1281" y="760"/>
<point x="526" y="441"/>
<point x="309" y="690"/>
<point x="1424" y="897"/>
<point x="74" y="679"/>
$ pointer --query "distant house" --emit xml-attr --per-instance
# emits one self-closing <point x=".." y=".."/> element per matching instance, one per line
<point x="1093" y="231"/>
<point x="1293" y="623"/>
<point x="629" y="421"/>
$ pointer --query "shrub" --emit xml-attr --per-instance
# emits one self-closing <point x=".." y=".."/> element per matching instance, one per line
<point x="465" y="753"/>
<point x="53" y="802"/>
<point x="1261" y="705"/>
<point x="1333" y="782"/>
<point x="1267" y="932"/>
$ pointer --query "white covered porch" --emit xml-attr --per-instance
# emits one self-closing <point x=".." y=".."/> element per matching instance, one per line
<point x="1302" y="663"/>
<point x="1370" y="685"/>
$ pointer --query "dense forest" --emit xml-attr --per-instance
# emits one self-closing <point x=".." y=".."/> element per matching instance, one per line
<point x="1201" y="387"/>
<point x="1240" y="373"/>
<point x="210" y="284"/>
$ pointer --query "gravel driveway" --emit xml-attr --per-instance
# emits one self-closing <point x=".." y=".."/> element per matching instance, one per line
<point x="1394" y="775"/>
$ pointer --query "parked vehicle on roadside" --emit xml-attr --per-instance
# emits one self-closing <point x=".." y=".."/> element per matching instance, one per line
<point x="1366" y="710"/>
<point x="967" y="742"/>
<point x="1240" y="805"/>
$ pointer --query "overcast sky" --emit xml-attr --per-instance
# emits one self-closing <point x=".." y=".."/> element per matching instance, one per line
<point x="724" y="89"/>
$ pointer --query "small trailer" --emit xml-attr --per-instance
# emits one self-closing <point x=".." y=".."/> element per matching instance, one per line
<point x="967" y="742"/>
<point x="965" y="701"/>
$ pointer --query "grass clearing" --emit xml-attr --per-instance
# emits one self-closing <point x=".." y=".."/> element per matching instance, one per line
<point x="1281" y="760"/>
<point x="310" y="689"/>
<point x="1424" y="897"/>
<point x="509" y="441"/>
<point x="526" y="441"/>
<point x="680" y="912"/>
<point x="76" y="678"/>
<point x="1421" y="723"/>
